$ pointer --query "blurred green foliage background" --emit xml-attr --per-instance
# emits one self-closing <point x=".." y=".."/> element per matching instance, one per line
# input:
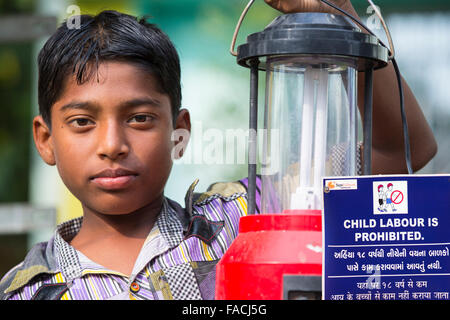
<point x="15" y="101"/>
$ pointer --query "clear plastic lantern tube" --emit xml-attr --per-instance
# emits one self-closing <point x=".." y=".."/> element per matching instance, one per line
<point x="310" y="129"/>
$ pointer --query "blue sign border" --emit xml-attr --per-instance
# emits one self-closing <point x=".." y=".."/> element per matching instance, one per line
<point x="388" y="255"/>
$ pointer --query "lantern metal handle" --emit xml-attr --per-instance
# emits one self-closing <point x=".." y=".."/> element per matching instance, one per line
<point x="386" y="30"/>
<point x="375" y="8"/>
<point x="238" y="26"/>
<point x="378" y="13"/>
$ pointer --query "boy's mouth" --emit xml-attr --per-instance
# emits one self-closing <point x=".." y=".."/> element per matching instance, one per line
<point x="114" y="179"/>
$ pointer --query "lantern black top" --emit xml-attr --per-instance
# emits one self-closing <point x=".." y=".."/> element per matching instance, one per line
<point x="314" y="34"/>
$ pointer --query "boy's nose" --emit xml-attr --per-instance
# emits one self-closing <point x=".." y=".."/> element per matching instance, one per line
<point x="112" y="142"/>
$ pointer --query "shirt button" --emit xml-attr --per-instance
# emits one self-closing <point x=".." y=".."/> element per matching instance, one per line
<point x="135" y="287"/>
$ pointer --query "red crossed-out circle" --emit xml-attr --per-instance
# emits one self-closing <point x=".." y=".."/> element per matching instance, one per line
<point x="397" y="196"/>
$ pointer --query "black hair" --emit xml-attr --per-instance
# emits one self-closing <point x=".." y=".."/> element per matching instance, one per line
<point x="108" y="36"/>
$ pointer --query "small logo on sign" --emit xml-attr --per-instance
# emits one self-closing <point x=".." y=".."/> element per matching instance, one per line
<point x="390" y="197"/>
<point x="350" y="184"/>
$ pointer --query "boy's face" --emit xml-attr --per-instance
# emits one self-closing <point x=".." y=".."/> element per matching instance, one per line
<point x="111" y="139"/>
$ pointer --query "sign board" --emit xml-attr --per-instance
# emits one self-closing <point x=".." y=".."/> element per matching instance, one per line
<point x="386" y="238"/>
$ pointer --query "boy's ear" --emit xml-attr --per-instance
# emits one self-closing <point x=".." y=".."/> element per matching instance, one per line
<point x="181" y="133"/>
<point x="183" y="120"/>
<point x="43" y="140"/>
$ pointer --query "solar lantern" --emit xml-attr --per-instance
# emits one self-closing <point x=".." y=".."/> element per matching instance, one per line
<point x="311" y="63"/>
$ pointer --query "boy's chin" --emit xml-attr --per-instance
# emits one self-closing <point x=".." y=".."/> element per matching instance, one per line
<point x="116" y="212"/>
<point x="121" y="203"/>
<point x="110" y="209"/>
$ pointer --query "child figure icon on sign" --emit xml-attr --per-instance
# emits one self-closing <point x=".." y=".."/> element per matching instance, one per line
<point x="388" y="197"/>
<point x="381" y="199"/>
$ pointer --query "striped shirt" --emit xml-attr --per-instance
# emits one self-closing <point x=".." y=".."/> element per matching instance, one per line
<point x="170" y="264"/>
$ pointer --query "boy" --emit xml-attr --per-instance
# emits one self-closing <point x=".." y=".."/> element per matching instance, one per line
<point x="381" y="198"/>
<point x="109" y="97"/>
<point x="388" y="196"/>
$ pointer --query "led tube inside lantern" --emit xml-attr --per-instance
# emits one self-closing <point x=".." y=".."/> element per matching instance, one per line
<point x="313" y="137"/>
<point x="320" y="136"/>
<point x="307" y="128"/>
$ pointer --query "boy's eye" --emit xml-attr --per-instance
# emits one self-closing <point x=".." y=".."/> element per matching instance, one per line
<point x="140" y="118"/>
<point x="81" y="122"/>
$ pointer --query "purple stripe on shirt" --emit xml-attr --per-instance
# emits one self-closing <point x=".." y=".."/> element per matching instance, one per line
<point x="194" y="248"/>
<point x="257" y="193"/>
<point x="177" y="256"/>
<point x="108" y="280"/>
<point x="99" y="286"/>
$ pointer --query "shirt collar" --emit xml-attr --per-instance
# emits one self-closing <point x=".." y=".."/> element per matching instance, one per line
<point x="169" y="225"/>
<point x="66" y="255"/>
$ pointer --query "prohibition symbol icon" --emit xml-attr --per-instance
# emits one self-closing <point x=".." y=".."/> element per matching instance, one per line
<point x="397" y="196"/>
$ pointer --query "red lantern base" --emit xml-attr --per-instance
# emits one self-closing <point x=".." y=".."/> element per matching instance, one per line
<point x="268" y="248"/>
